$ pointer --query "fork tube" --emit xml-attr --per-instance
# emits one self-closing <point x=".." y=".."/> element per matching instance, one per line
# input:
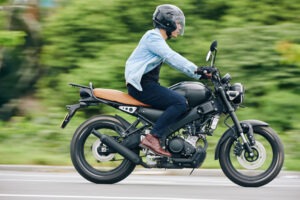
<point x="235" y="120"/>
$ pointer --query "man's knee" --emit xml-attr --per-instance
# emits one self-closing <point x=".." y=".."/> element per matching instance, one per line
<point x="182" y="105"/>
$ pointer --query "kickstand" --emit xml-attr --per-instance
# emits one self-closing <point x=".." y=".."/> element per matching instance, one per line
<point x="192" y="171"/>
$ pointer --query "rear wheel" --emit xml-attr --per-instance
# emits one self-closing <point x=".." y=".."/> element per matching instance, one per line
<point x="257" y="170"/>
<point x="92" y="159"/>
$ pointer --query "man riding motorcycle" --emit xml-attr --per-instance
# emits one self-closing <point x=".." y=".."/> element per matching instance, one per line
<point x="143" y="68"/>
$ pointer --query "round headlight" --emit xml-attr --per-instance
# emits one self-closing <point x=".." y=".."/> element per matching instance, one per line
<point x="239" y="91"/>
<point x="226" y="78"/>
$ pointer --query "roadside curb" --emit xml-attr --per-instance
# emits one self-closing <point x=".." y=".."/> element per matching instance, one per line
<point x="137" y="171"/>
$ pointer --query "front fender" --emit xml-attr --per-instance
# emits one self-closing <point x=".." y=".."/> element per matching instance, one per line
<point x="230" y="133"/>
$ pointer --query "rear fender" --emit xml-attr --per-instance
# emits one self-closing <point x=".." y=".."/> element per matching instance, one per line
<point x="71" y="112"/>
<point x="87" y="98"/>
<point x="230" y="133"/>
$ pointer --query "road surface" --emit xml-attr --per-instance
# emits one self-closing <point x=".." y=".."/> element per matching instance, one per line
<point x="141" y="185"/>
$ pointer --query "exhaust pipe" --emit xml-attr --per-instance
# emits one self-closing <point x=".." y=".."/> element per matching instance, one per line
<point x="124" y="151"/>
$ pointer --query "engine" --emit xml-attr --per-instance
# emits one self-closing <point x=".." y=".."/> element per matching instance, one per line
<point x="179" y="146"/>
<point x="188" y="151"/>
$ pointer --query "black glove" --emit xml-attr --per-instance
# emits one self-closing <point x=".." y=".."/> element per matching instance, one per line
<point x="205" y="72"/>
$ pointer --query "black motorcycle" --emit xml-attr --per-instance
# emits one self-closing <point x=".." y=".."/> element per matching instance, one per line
<point x="105" y="149"/>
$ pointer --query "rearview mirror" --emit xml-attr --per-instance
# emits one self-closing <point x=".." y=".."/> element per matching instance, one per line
<point x="213" y="48"/>
<point x="208" y="56"/>
<point x="214" y="45"/>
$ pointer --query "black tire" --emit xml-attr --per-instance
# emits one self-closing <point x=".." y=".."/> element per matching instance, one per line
<point x="253" y="172"/>
<point x="95" y="167"/>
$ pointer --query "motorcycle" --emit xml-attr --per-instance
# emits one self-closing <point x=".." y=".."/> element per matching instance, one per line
<point x="105" y="149"/>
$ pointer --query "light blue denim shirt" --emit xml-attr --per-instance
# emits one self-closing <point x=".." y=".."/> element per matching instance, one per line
<point x="150" y="52"/>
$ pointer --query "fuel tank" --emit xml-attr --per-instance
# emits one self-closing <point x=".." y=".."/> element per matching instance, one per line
<point x="196" y="93"/>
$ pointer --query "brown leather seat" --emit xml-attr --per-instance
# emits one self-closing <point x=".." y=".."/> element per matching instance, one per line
<point x="117" y="96"/>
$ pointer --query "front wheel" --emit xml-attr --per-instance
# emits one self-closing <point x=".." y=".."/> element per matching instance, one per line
<point x="257" y="170"/>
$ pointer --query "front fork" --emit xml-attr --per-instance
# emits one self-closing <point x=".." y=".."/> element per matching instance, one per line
<point x="241" y="133"/>
<point x="238" y="126"/>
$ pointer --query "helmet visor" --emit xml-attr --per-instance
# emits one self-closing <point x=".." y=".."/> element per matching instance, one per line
<point x="180" y="20"/>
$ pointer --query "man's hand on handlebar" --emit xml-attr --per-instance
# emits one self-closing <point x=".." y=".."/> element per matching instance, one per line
<point x="205" y="72"/>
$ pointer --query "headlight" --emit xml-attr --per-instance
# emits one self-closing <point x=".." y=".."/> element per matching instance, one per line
<point x="226" y="78"/>
<point x="236" y="93"/>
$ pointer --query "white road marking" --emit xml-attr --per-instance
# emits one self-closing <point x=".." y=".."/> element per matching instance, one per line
<point x="95" y="197"/>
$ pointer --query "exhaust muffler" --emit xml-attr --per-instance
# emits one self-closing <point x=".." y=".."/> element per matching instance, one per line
<point x="124" y="151"/>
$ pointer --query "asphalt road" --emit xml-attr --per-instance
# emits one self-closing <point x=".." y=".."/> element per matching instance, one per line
<point x="64" y="184"/>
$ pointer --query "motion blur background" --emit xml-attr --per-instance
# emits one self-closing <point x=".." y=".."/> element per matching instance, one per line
<point x="46" y="44"/>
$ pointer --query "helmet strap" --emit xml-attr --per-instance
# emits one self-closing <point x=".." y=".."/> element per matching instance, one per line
<point x="169" y="34"/>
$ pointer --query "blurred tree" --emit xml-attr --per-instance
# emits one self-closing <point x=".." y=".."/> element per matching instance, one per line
<point x="20" y="64"/>
<point x="211" y="10"/>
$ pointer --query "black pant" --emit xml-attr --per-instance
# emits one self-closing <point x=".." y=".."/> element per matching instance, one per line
<point x="161" y="98"/>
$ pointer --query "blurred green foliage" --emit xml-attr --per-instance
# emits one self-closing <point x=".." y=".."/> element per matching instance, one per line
<point x="19" y="56"/>
<point x="11" y="38"/>
<point x="89" y="41"/>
